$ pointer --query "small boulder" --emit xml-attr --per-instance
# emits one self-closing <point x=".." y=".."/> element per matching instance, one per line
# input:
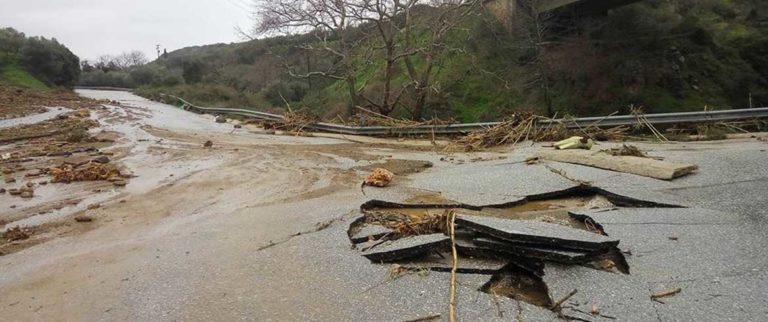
<point x="94" y="206"/>
<point x="221" y="119"/>
<point x="119" y="183"/>
<point x="208" y="144"/>
<point x="27" y="194"/>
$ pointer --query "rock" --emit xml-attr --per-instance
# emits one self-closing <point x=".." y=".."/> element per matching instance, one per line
<point x="27" y="194"/>
<point x="94" y="206"/>
<point x="119" y="183"/>
<point x="238" y="126"/>
<point x="9" y="179"/>
<point x="208" y="144"/>
<point x="221" y="119"/>
<point x="30" y="184"/>
<point x="2" y="190"/>
<point x="83" y="218"/>
<point x="102" y="159"/>
<point x="14" y="192"/>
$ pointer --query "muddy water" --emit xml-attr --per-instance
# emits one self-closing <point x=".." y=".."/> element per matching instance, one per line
<point x="34" y="118"/>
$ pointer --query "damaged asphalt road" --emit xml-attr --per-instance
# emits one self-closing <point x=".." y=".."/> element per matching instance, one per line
<point x="195" y="250"/>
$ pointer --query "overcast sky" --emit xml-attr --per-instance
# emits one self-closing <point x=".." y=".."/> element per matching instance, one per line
<point x="91" y="28"/>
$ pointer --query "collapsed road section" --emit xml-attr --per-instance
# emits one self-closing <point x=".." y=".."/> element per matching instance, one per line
<point x="513" y="243"/>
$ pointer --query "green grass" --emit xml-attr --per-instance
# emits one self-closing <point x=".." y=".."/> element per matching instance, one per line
<point x="15" y="76"/>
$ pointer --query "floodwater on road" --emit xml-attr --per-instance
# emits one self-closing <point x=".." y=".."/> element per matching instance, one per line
<point x="34" y="118"/>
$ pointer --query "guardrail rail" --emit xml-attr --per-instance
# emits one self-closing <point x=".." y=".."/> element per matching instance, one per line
<point x="462" y="128"/>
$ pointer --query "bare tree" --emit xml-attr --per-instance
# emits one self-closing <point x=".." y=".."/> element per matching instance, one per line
<point x="448" y="16"/>
<point x="330" y="23"/>
<point x="386" y="30"/>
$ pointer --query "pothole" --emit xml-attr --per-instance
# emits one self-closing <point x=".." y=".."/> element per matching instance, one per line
<point x="511" y="242"/>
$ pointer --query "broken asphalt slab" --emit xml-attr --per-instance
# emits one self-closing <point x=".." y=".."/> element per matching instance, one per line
<point x="534" y="232"/>
<point x="370" y="232"/>
<point x="443" y="262"/>
<point x="407" y="247"/>
<point x="564" y="256"/>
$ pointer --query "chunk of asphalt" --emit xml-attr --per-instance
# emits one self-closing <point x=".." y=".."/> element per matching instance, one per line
<point x="468" y="249"/>
<point x="369" y="232"/>
<point x="535" y="232"/>
<point x="540" y="252"/>
<point x="443" y="262"/>
<point x="408" y="247"/>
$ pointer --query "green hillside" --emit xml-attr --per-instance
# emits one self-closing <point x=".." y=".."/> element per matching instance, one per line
<point x="662" y="55"/>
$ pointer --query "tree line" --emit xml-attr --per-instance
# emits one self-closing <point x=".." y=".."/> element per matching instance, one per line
<point x="46" y="59"/>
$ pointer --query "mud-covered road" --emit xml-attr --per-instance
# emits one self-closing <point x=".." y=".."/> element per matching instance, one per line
<point x="254" y="228"/>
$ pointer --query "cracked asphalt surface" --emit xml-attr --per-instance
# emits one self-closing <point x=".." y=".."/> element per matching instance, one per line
<point x="223" y="243"/>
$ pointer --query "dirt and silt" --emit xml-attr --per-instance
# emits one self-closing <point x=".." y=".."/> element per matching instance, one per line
<point x="169" y="210"/>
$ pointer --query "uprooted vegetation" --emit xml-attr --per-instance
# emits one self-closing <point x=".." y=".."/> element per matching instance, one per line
<point x="511" y="242"/>
<point x="527" y="126"/>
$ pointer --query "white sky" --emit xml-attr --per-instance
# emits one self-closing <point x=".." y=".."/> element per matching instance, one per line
<point x="91" y="28"/>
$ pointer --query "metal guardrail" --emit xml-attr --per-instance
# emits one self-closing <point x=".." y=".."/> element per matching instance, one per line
<point x="459" y="128"/>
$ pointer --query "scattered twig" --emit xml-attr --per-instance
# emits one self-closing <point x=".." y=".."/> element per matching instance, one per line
<point x="426" y="318"/>
<point x="557" y="306"/>
<point x="665" y="293"/>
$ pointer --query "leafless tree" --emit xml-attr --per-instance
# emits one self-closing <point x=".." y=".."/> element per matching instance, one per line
<point x="364" y="33"/>
<point x="330" y="23"/>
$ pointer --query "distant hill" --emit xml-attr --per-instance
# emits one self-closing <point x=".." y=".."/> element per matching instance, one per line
<point x="663" y="55"/>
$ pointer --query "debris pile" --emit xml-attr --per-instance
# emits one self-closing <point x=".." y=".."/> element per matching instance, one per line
<point x="90" y="171"/>
<point x="525" y="126"/>
<point x="16" y="233"/>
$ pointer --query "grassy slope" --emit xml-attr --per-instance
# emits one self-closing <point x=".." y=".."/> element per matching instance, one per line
<point x="13" y="75"/>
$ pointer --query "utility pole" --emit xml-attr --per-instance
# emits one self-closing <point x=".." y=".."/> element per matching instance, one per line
<point x="157" y="47"/>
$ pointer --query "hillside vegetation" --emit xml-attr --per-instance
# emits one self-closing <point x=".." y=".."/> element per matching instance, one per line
<point x="663" y="55"/>
<point x="35" y="62"/>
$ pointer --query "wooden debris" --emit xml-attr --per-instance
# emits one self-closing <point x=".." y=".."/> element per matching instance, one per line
<point x="455" y="258"/>
<point x="522" y="126"/>
<point x="629" y="164"/>
<point x="425" y="318"/>
<point x="666" y="293"/>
